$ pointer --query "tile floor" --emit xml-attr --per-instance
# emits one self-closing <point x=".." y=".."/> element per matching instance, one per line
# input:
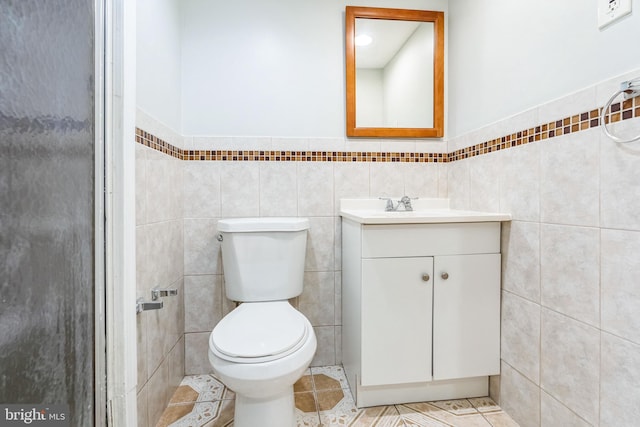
<point x="323" y="398"/>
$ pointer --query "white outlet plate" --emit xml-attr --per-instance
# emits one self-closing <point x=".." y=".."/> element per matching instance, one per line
<point x="610" y="11"/>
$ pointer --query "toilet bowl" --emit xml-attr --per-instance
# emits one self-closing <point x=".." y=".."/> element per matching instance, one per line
<point x="264" y="345"/>
<point x="259" y="351"/>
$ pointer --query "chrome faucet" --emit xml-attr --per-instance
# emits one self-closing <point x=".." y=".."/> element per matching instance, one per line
<point x="404" y="201"/>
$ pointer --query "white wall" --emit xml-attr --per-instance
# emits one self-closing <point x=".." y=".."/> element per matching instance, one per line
<point x="370" y="99"/>
<point x="247" y="65"/>
<point x="408" y="82"/>
<point x="255" y="68"/>
<point x="508" y="56"/>
<point x="158" y="61"/>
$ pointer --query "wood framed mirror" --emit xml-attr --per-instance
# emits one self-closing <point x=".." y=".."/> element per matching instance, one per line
<point x="395" y="83"/>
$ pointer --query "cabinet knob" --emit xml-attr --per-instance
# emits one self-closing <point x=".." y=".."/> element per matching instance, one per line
<point x="425" y="277"/>
<point x="444" y="275"/>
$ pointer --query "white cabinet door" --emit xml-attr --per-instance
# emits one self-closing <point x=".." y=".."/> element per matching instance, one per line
<point x="466" y="316"/>
<point x="396" y="320"/>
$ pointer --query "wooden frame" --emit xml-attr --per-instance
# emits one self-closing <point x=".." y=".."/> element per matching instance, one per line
<point x="437" y="131"/>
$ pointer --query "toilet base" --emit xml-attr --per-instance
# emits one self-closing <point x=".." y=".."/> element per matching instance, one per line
<point x="278" y="411"/>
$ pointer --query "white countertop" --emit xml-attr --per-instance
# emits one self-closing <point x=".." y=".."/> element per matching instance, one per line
<point x="425" y="211"/>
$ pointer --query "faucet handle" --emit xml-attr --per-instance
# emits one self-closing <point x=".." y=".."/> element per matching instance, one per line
<point x="406" y="202"/>
<point x="389" y="206"/>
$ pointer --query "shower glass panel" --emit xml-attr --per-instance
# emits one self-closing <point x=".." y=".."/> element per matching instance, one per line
<point x="47" y="261"/>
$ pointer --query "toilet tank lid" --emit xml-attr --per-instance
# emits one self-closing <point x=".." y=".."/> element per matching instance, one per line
<point x="247" y="225"/>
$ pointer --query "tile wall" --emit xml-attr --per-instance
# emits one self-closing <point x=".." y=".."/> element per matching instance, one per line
<point x="570" y="339"/>
<point x="223" y="189"/>
<point x="570" y="344"/>
<point x="159" y="253"/>
<point x="179" y="203"/>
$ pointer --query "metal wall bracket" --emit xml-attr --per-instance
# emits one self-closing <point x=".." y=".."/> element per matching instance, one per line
<point x="158" y="293"/>
<point x="156" y="303"/>
<point x="142" y="305"/>
<point x="630" y="88"/>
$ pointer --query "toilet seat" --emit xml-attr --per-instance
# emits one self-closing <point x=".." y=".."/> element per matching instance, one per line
<point x="259" y="332"/>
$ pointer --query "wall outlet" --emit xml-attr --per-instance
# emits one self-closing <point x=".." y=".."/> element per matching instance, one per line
<point x="610" y="11"/>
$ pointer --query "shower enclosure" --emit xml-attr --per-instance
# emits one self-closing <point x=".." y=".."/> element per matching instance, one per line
<point x="50" y="270"/>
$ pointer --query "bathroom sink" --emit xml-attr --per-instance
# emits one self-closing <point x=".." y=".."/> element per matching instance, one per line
<point x="425" y="211"/>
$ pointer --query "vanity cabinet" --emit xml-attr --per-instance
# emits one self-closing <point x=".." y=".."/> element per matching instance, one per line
<point x="421" y="310"/>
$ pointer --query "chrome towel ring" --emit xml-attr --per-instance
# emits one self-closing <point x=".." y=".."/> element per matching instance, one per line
<point x="630" y="89"/>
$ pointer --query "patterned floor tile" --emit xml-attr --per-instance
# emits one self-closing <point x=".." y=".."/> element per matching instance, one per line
<point x="476" y="420"/>
<point x="500" y="419"/>
<point x="329" y="399"/>
<point x="201" y="414"/>
<point x="435" y="417"/>
<point x="412" y="418"/>
<point x="433" y="412"/>
<point x="174" y="413"/>
<point x="305" y="383"/>
<point x="378" y="416"/>
<point x="323" y="399"/>
<point x="335" y="372"/>
<point x="341" y="412"/>
<point x="307" y="419"/>
<point x="184" y="394"/>
<point x="306" y="401"/>
<point x="456" y="407"/>
<point x="324" y="382"/>
<point x="484" y="404"/>
<point x="224" y="417"/>
<point x="207" y="387"/>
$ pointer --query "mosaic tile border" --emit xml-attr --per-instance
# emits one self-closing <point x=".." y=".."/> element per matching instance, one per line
<point x="152" y="141"/>
<point x="312" y="156"/>
<point x="565" y="126"/>
<point x="623" y="110"/>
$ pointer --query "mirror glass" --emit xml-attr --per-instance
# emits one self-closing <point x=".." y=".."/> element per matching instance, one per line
<point x="394" y="72"/>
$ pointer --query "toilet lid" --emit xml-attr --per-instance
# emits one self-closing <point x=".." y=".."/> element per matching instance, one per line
<point x="259" y="330"/>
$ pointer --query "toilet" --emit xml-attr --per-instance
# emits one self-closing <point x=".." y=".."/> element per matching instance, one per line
<point x="264" y="345"/>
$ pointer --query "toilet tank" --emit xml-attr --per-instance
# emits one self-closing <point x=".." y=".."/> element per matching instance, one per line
<point x="263" y="258"/>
